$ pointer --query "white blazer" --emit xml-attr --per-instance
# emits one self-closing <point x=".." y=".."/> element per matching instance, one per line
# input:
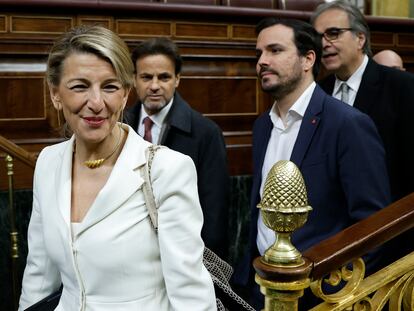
<point x="116" y="261"/>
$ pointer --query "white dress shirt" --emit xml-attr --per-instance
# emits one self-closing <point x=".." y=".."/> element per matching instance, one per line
<point x="157" y="119"/>
<point x="279" y="147"/>
<point x="353" y="82"/>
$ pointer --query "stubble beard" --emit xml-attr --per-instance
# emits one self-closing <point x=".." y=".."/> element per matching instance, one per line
<point x="281" y="89"/>
<point x="153" y="108"/>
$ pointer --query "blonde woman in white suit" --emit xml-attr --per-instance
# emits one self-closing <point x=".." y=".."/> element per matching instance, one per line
<point x="89" y="228"/>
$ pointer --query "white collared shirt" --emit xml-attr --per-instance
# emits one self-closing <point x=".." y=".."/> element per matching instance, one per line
<point x="279" y="147"/>
<point x="158" y="120"/>
<point x="353" y="82"/>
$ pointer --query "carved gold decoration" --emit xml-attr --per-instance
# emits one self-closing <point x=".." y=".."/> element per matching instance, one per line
<point x="362" y="305"/>
<point x="352" y="278"/>
<point x="393" y="284"/>
<point x="284" y="207"/>
<point x="407" y="294"/>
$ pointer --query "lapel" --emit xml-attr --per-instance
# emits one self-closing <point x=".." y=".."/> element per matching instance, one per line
<point x="368" y="88"/>
<point x="308" y="127"/>
<point x="63" y="181"/>
<point x="261" y="142"/>
<point x="261" y="135"/>
<point x="179" y="117"/>
<point x="132" y="116"/>
<point x="328" y="84"/>
<point x="124" y="181"/>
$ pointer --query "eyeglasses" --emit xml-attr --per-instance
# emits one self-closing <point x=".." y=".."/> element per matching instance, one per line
<point x="333" y="33"/>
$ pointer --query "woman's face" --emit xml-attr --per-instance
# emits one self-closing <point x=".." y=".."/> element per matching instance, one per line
<point x="90" y="96"/>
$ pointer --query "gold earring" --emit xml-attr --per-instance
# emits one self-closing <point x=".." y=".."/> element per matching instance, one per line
<point x="58" y="118"/>
<point x="122" y="117"/>
<point x="57" y="102"/>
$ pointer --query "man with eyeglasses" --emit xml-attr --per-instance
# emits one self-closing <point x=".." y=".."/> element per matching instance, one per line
<point x="385" y="94"/>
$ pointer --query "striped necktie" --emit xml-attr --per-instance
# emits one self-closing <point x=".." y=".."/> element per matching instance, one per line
<point x="345" y="92"/>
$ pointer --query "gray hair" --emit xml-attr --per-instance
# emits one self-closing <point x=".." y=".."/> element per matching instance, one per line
<point x="96" y="40"/>
<point x="356" y="19"/>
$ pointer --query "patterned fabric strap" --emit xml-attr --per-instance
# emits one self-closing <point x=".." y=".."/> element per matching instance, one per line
<point x="147" y="186"/>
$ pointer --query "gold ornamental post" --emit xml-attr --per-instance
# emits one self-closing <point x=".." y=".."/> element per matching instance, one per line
<point x="14" y="250"/>
<point x="282" y="273"/>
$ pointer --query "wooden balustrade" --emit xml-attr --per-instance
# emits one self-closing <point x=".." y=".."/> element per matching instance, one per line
<point x="393" y="285"/>
<point x="358" y="239"/>
<point x="17" y="152"/>
<point x="329" y="261"/>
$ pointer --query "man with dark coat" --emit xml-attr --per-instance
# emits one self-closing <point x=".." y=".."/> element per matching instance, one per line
<point x="163" y="117"/>
<point x="384" y="93"/>
<point x="336" y="147"/>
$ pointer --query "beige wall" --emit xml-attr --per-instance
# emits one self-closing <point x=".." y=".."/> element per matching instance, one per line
<point x="398" y="8"/>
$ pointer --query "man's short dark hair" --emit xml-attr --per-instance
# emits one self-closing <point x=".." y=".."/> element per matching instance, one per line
<point x="306" y="38"/>
<point x="158" y="46"/>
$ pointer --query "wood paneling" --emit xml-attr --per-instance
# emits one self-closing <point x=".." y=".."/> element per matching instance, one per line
<point x="213" y="66"/>
<point x="142" y="28"/>
<point x="215" y="96"/>
<point x="299" y="5"/>
<point x="3" y="23"/>
<point x="92" y="20"/>
<point x="201" y="31"/>
<point x="382" y="39"/>
<point x="240" y="159"/>
<point x="263" y="4"/>
<point x="243" y="32"/>
<point x="405" y="40"/>
<point x="23" y="98"/>
<point x="197" y="2"/>
<point x="40" y="24"/>
<point x="217" y="44"/>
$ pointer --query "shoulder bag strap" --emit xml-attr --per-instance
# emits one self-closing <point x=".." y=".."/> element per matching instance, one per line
<point x="147" y="186"/>
<point x="219" y="270"/>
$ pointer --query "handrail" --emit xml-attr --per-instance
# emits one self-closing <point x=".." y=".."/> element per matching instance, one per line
<point x="358" y="239"/>
<point x="17" y="152"/>
<point x="283" y="282"/>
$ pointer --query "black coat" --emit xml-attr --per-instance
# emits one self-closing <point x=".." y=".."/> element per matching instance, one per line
<point x="187" y="131"/>
<point x="387" y="96"/>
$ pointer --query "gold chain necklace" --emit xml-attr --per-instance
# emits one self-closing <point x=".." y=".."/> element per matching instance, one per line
<point x="98" y="162"/>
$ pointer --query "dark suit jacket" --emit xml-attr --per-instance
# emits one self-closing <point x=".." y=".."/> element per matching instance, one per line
<point x="187" y="131"/>
<point x="341" y="158"/>
<point x="387" y="96"/>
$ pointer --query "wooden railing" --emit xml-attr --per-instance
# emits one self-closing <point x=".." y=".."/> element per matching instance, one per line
<point x="328" y="261"/>
<point x="358" y="239"/>
<point x="17" y="152"/>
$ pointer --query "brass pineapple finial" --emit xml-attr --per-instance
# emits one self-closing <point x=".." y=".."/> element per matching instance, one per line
<point x="284" y="207"/>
